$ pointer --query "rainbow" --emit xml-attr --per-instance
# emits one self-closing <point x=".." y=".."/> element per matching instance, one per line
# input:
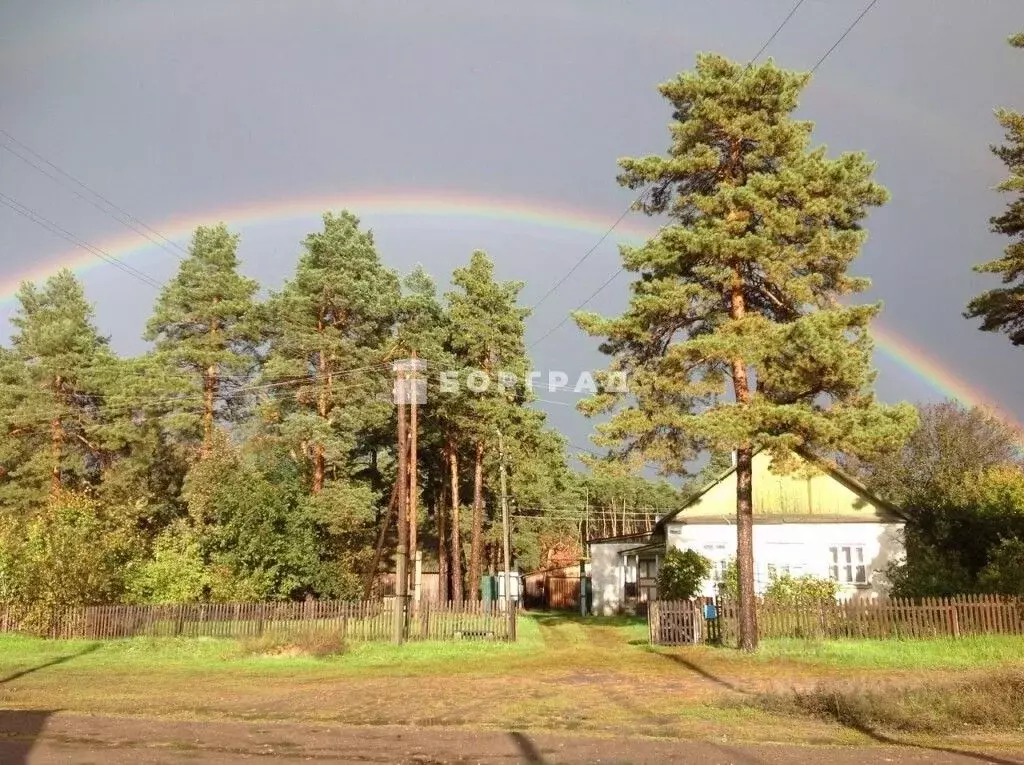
<point x="430" y="203"/>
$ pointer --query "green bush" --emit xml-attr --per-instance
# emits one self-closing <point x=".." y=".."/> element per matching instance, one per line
<point x="1004" y="573"/>
<point x="681" y="574"/>
<point x="787" y="589"/>
<point x="729" y="587"/>
<point x="307" y="642"/>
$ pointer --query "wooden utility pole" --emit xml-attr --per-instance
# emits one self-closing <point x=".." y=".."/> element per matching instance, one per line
<point x="509" y="607"/>
<point x="402" y="477"/>
<point x="413" y="428"/>
<point x="379" y="549"/>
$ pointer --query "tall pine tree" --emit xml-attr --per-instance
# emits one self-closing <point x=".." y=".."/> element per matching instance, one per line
<point x="205" y="326"/>
<point x="487" y="339"/>
<point x="734" y="338"/>
<point x="332" y="333"/>
<point x="1002" y="309"/>
<point x="51" y="395"/>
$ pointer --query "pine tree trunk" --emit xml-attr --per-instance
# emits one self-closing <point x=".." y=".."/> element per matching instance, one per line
<point x="57" y="451"/>
<point x="744" y="489"/>
<point x="456" y="546"/>
<point x="323" y="408"/>
<point x="319" y="466"/>
<point x="209" y="399"/>
<point x="413" y="472"/>
<point x="745" y="549"/>
<point x="442" y="551"/>
<point x="210" y="386"/>
<point x="476" y="540"/>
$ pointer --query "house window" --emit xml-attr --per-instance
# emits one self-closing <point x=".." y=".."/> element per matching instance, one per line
<point x="846" y="564"/>
<point x="648" y="568"/>
<point x="719" y="562"/>
<point x="776" y="570"/>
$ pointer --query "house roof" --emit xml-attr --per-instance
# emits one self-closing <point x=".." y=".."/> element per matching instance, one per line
<point x="842" y="477"/>
<point x="656" y="546"/>
<point x="621" y="538"/>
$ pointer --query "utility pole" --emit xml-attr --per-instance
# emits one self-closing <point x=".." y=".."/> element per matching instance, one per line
<point x="402" y="477"/>
<point x="583" y="551"/>
<point x="509" y="608"/>
<point x="413" y="428"/>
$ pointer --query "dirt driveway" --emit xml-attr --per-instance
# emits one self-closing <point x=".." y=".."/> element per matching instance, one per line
<point x="41" y="738"/>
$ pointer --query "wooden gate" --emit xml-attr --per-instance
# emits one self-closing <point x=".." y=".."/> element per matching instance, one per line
<point x="676" y="622"/>
<point x="552" y="590"/>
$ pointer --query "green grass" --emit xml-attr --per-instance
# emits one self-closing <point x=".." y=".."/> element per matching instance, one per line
<point x="946" y="653"/>
<point x="564" y="672"/>
<point x="19" y="653"/>
<point x="545" y="642"/>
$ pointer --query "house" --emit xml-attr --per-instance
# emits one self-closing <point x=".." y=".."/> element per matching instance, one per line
<point x="815" y="520"/>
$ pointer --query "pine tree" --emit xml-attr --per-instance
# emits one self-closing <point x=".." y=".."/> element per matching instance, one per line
<point x="739" y="293"/>
<point x="206" y="330"/>
<point x="50" y="393"/>
<point x="332" y="333"/>
<point x="1002" y="309"/>
<point x="423" y="331"/>
<point x="488" y="338"/>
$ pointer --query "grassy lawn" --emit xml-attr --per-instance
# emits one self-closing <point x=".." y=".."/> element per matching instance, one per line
<point x="564" y="673"/>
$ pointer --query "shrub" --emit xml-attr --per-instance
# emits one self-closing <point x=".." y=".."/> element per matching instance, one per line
<point x="729" y="587"/>
<point x="1004" y="573"/>
<point x="989" y="700"/>
<point x="681" y="574"/>
<point x="307" y="642"/>
<point x="798" y="590"/>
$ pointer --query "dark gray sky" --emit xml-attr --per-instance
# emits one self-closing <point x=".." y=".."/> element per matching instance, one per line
<point x="181" y="109"/>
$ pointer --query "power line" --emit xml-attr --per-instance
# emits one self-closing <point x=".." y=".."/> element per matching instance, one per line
<point x="592" y="250"/>
<point x="117" y="213"/>
<point x="629" y="209"/>
<point x="63" y="233"/>
<point x="568" y="316"/>
<point x="775" y="34"/>
<point x="194" y="399"/>
<point x="842" y="37"/>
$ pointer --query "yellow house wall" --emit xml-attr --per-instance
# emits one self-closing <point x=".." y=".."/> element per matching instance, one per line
<point x="790" y="494"/>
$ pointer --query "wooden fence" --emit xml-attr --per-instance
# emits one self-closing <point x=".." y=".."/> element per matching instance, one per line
<point x="553" y="592"/>
<point x="675" y="622"/>
<point x="370" y="620"/>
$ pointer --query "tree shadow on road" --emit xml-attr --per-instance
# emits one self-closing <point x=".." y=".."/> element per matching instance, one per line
<point x="527" y="748"/>
<point x="699" y="670"/>
<point x="18" y="733"/>
<point x="19" y="729"/>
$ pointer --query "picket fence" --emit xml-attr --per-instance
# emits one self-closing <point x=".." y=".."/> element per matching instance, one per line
<point x="677" y="622"/>
<point x="370" y="620"/>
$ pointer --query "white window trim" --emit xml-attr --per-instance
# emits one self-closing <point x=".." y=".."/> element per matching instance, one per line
<point x="852" y="565"/>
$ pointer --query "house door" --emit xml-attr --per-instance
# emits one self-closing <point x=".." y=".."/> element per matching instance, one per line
<point x="647" y="578"/>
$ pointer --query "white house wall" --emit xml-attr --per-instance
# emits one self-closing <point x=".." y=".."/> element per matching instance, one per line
<point x="804" y="544"/>
<point x="608" y="575"/>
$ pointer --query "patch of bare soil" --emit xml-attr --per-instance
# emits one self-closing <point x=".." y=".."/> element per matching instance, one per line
<point x="73" y="740"/>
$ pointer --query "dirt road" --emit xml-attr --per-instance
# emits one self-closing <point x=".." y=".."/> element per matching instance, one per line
<point x="42" y="738"/>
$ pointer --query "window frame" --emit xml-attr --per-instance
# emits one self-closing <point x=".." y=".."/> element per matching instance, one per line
<point x="846" y="573"/>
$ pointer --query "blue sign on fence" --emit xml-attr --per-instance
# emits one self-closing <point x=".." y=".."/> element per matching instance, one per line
<point x="710" y="611"/>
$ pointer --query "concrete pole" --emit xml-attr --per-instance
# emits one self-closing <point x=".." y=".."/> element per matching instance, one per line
<point x="506" y="542"/>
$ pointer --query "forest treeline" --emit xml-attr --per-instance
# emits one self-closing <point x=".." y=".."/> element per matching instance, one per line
<point x="251" y="453"/>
